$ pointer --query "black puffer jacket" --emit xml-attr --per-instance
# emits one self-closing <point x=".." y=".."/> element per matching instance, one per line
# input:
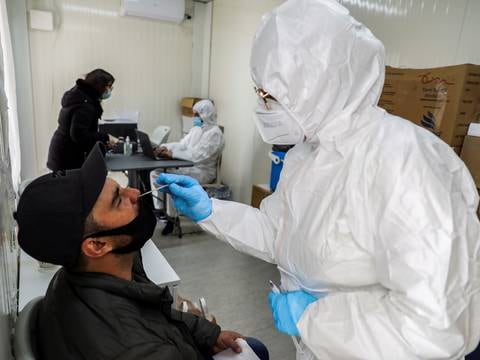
<point x="77" y="130"/>
<point x="97" y="316"/>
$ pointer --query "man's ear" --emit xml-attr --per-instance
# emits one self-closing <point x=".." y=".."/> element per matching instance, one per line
<point x="96" y="247"/>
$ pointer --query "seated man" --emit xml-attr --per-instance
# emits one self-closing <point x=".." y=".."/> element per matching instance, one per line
<point x="100" y="304"/>
<point x="202" y="145"/>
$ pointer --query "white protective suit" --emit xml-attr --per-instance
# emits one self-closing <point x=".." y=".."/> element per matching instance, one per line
<point x="372" y="209"/>
<point x="202" y="145"/>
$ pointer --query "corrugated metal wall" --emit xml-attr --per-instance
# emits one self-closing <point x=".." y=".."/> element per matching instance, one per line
<point x="151" y="61"/>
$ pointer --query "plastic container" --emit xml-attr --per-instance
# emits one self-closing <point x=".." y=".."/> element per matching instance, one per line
<point x="277" y="158"/>
<point x="127" y="147"/>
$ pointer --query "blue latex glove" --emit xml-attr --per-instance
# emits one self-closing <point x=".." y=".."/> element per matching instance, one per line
<point x="287" y="308"/>
<point x="188" y="196"/>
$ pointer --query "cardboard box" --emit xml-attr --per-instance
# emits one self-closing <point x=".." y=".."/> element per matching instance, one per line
<point x="444" y="100"/>
<point x="259" y="192"/>
<point x="457" y="149"/>
<point x="187" y="105"/>
<point x="471" y="156"/>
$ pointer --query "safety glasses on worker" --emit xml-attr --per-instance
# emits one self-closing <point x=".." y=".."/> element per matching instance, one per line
<point x="265" y="96"/>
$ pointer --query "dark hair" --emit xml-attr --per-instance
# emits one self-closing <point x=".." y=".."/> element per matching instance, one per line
<point x="99" y="79"/>
<point x="91" y="226"/>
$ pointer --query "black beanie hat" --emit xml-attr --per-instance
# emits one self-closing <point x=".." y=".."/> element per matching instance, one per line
<point x="52" y="210"/>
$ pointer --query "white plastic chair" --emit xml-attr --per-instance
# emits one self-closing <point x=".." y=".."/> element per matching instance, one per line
<point x="160" y="134"/>
<point x="25" y="331"/>
<point x="218" y="180"/>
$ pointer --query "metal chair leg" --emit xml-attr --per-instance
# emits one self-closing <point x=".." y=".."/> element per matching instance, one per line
<point x="178" y="226"/>
<point x="180" y="232"/>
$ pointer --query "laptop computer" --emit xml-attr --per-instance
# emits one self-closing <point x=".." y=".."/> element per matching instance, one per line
<point x="147" y="145"/>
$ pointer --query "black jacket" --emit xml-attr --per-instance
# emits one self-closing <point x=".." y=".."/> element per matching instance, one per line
<point x="77" y="130"/>
<point x="97" y="316"/>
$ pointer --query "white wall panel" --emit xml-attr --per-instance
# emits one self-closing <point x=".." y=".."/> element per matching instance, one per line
<point x="202" y="35"/>
<point x="245" y="158"/>
<point x="422" y="33"/>
<point x="468" y="50"/>
<point x="151" y="61"/>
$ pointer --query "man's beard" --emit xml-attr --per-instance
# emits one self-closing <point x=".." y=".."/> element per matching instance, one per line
<point x="139" y="229"/>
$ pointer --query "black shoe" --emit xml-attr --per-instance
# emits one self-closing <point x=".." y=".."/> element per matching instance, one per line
<point x="168" y="229"/>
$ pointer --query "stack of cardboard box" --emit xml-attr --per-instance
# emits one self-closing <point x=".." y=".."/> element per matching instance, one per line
<point x="444" y="100"/>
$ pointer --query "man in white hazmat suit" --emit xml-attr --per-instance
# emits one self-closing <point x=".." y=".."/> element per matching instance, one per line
<point x="202" y="145"/>
<point x="373" y="224"/>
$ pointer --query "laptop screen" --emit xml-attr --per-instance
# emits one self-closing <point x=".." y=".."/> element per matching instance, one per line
<point x="146" y="144"/>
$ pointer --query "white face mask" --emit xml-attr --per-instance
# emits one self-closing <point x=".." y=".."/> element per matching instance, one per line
<point x="276" y="126"/>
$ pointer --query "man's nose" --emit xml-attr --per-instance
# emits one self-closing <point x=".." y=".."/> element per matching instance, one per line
<point x="132" y="194"/>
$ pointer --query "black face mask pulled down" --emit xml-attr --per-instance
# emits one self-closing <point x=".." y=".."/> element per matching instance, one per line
<point x="139" y="229"/>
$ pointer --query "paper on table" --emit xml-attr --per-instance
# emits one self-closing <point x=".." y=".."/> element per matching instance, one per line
<point x="246" y="354"/>
<point x="112" y="139"/>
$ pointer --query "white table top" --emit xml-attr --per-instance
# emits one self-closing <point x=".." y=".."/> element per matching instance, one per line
<point x="117" y="121"/>
<point x="157" y="267"/>
<point x="34" y="282"/>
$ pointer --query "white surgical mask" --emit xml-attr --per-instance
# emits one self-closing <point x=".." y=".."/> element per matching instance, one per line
<point x="106" y="94"/>
<point x="277" y="126"/>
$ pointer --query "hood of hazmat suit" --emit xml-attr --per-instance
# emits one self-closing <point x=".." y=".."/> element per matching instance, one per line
<point x="207" y="111"/>
<point x="370" y="208"/>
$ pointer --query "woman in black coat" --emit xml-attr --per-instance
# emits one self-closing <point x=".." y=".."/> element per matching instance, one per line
<point x="77" y="130"/>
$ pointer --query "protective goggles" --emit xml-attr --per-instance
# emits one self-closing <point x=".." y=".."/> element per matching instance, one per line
<point x="265" y="96"/>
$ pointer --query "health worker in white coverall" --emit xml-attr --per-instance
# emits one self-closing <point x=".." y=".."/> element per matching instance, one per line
<point x="373" y="224"/>
<point x="202" y="145"/>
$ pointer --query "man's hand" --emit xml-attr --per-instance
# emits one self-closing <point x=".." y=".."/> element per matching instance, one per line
<point x="226" y="340"/>
<point x="162" y="151"/>
<point x="112" y="140"/>
<point x="188" y="196"/>
<point x="287" y="309"/>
